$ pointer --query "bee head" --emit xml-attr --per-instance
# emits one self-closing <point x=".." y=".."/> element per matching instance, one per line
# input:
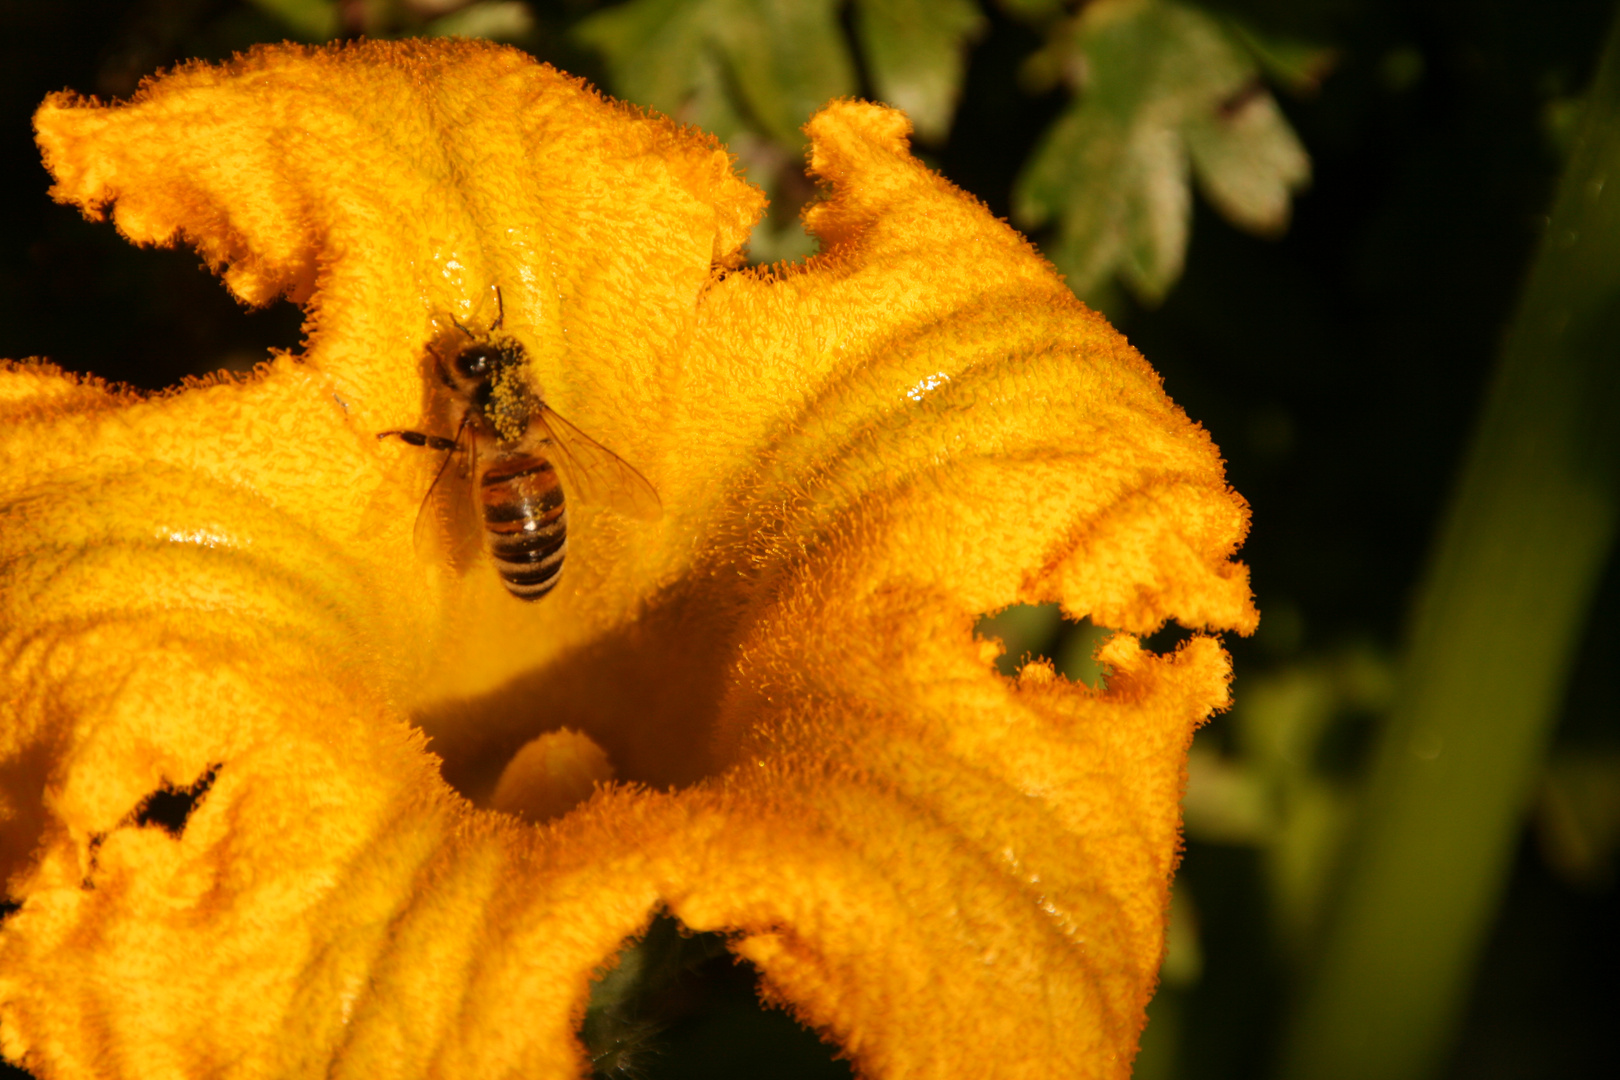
<point x="477" y="361"/>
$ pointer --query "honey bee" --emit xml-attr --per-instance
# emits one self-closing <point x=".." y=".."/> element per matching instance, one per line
<point x="510" y="445"/>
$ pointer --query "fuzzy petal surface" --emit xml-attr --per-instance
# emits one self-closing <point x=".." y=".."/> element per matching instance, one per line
<point x="215" y="592"/>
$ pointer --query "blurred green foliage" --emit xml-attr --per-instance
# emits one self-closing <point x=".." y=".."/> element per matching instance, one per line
<point x="1160" y="90"/>
<point x="752" y="72"/>
<point x="1313" y="216"/>
<point x="1531" y="523"/>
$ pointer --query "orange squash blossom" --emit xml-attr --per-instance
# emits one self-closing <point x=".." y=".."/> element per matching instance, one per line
<point x="944" y="871"/>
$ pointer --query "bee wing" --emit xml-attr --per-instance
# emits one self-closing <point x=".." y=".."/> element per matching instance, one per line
<point x="446" y="525"/>
<point x="597" y="475"/>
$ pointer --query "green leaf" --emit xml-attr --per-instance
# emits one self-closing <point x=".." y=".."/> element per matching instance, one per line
<point x="726" y="65"/>
<point x="1299" y="66"/>
<point x="1248" y="162"/>
<point x="308" y="20"/>
<point x="1165" y="94"/>
<point x="916" y="54"/>
<point x="665" y="54"/>
<point x="497" y="20"/>
<point x="789" y="59"/>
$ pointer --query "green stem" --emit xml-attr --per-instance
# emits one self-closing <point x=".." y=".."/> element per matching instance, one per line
<point x="1493" y="635"/>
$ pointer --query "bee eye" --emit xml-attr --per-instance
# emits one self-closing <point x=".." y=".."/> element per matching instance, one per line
<point x="474" y="362"/>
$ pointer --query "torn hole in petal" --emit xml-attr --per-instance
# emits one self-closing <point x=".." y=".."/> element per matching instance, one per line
<point x="1030" y="633"/>
<point x="170" y="807"/>
<point x="551" y="775"/>
<point x="678" y="1003"/>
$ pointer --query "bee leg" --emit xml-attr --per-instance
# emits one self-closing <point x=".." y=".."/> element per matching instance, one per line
<point x="500" y="311"/>
<point x="417" y="438"/>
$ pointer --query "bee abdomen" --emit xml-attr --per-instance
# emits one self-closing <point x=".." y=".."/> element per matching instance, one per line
<point x="525" y="523"/>
<point x="531" y="571"/>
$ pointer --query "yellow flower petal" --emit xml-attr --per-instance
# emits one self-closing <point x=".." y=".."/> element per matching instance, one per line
<point x="216" y="589"/>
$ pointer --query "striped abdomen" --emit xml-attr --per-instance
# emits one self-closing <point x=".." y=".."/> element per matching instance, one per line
<point x="525" y="522"/>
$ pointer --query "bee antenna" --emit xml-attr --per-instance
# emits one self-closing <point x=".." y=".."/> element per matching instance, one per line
<point x="500" y="310"/>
